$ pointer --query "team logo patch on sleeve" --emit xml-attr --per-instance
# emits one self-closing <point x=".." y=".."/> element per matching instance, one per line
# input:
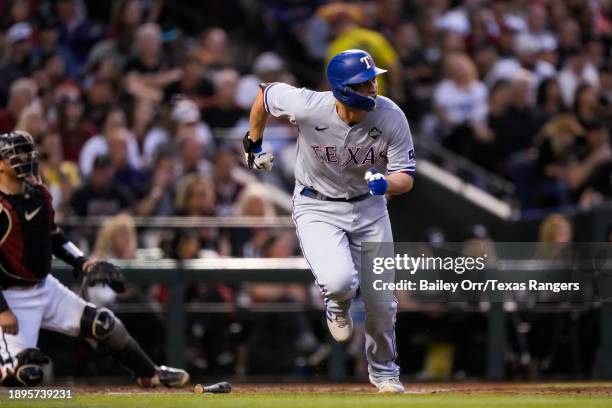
<point x="374" y="133"/>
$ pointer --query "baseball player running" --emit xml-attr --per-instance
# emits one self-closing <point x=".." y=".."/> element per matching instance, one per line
<point x="32" y="298"/>
<point x="353" y="148"/>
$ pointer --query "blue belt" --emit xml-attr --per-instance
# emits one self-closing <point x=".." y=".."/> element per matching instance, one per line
<point x="309" y="192"/>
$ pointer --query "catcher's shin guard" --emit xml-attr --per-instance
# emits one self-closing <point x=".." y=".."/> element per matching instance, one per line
<point x="102" y="326"/>
<point x="25" y="370"/>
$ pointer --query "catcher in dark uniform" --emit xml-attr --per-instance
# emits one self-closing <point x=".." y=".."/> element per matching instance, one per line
<point x="32" y="298"/>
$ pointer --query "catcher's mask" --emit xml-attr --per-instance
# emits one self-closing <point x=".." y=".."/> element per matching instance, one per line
<point x="18" y="149"/>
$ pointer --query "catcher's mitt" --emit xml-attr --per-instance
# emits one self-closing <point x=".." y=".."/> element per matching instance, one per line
<point x="107" y="273"/>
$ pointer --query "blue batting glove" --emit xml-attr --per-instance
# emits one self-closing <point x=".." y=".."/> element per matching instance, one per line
<point x="376" y="182"/>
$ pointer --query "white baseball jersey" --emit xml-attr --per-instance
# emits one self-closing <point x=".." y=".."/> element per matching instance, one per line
<point x="333" y="157"/>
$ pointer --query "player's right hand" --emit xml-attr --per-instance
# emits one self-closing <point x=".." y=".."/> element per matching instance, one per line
<point x="255" y="157"/>
<point x="262" y="160"/>
<point x="377" y="182"/>
<point x="9" y="323"/>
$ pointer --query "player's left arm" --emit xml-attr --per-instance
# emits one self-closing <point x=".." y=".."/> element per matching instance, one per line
<point x="402" y="163"/>
<point x="399" y="183"/>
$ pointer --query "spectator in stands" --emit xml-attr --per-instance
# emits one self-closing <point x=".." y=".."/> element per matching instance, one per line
<point x="555" y="228"/>
<point x="537" y="27"/>
<point x="72" y="126"/>
<point x="227" y="187"/>
<point x="548" y="99"/>
<point x="32" y="121"/>
<point x="417" y="74"/>
<point x="460" y="104"/>
<point x="349" y="34"/>
<point x="519" y="124"/>
<point x="98" y="144"/>
<point x="569" y="34"/>
<point x="586" y="104"/>
<point x="15" y="11"/>
<point x="141" y="117"/>
<point x="126" y="17"/>
<point x="592" y="176"/>
<point x="596" y="50"/>
<point x="191" y="161"/>
<point x="213" y="50"/>
<point x="130" y="177"/>
<point x="22" y="93"/>
<point x="117" y="239"/>
<point x="268" y="67"/>
<point x="147" y="73"/>
<point x="528" y="56"/>
<point x="59" y="175"/>
<point x="556" y="143"/>
<point x="606" y="88"/>
<point x="184" y="121"/>
<point x="17" y="61"/>
<point x="185" y="245"/>
<point x="500" y="98"/>
<point x="157" y="198"/>
<point x="223" y="113"/>
<point x="100" y="97"/>
<point x="576" y="70"/>
<point x="195" y="198"/>
<point x="55" y="70"/>
<point x="483" y="30"/>
<point x="193" y="84"/>
<point x="101" y="195"/>
<point x="77" y="31"/>
<point x="48" y="45"/>
<point x="452" y="43"/>
<point x="252" y="242"/>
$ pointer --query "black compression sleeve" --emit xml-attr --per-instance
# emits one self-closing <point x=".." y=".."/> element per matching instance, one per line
<point x="68" y="252"/>
<point x="3" y="305"/>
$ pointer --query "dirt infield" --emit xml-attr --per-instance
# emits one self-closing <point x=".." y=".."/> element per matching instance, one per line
<point x="475" y="388"/>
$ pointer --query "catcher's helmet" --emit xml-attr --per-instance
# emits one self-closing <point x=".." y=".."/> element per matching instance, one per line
<point x="349" y="68"/>
<point x="18" y="149"/>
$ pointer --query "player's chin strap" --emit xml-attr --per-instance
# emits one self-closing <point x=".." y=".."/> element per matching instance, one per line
<point x="351" y="98"/>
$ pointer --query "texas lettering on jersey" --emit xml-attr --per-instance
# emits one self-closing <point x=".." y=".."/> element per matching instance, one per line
<point x="353" y="155"/>
<point x="381" y="140"/>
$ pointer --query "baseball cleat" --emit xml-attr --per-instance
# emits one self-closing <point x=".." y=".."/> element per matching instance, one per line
<point x="340" y="326"/>
<point x="168" y="376"/>
<point x="388" y="386"/>
<point x="172" y="377"/>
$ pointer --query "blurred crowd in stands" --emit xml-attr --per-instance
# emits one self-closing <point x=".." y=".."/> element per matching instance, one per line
<point x="138" y="105"/>
<point x="138" y="108"/>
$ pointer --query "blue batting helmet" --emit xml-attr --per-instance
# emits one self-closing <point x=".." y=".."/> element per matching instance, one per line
<point x="349" y="68"/>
